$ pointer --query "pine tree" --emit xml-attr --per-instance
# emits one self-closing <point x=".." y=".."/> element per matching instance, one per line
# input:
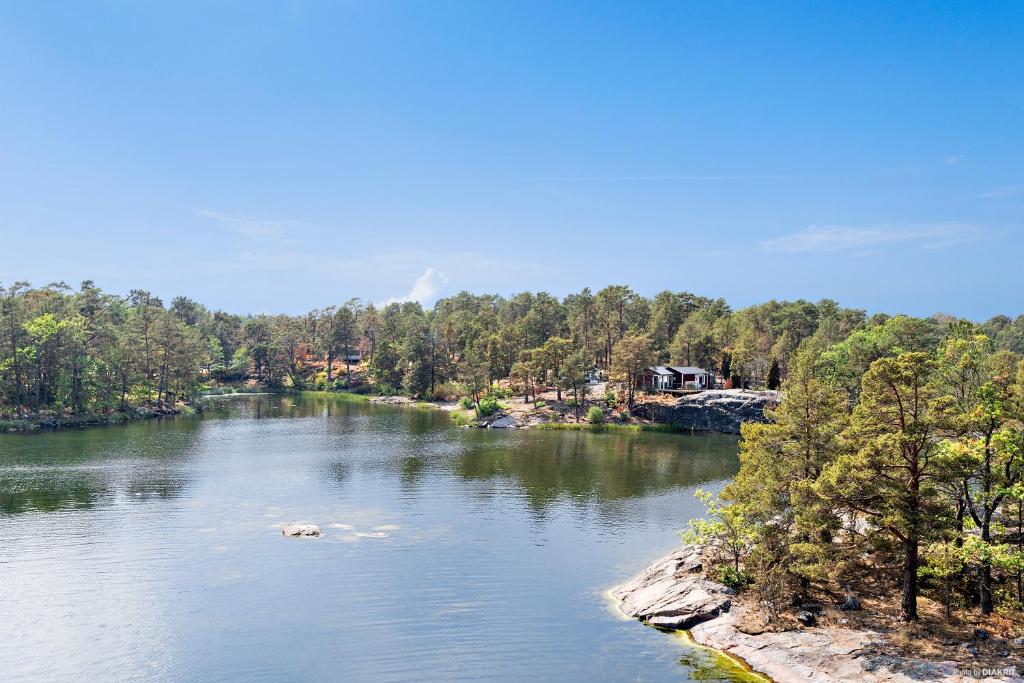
<point x="888" y="477"/>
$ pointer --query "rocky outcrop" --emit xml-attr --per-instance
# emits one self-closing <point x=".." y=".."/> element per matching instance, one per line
<point x="672" y="593"/>
<point x="300" y="530"/>
<point x="715" y="410"/>
<point x="499" y="420"/>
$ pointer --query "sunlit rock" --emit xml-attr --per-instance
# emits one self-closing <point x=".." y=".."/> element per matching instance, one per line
<point x="300" y="530"/>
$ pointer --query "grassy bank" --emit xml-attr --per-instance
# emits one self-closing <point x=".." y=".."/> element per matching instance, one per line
<point x="232" y="390"/>
<point x="343" y="395"/>
<point x="615" y="427"/>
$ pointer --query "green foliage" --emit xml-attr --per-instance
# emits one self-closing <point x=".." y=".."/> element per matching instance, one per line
<point x="595" y="415"/>
<point x="467" y="403"/>
<point x="500" y="392"/>
<point x="610" y="399"/>
<point x="724" y="529"/>
<point x="488" y="405"/>
<point x="460" y="419"/>
<point x="540" y="404"/>
<point x="734" y="578"/>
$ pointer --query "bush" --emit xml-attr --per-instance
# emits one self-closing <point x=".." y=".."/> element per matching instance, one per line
<point x="488" y="406"/>
<point x="595" y="415"/>
<point x="541" y="404"/>
<point x="385" y="390"/>
<point x="610" y="399"/>
<point x="459" y="419"/>
<point x="500" y="392"/>
<point x="571" y="402"/>
<point x="733" y="578"/>
<point x="467" y="403"/>
<point x="450" y="391"/>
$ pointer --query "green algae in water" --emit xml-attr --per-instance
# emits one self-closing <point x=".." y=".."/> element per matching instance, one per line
<point x="708" y="664"/>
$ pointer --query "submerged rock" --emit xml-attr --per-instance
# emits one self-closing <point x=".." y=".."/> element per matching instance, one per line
<point x="714" y="410"/>
<point x="300" y="530"/>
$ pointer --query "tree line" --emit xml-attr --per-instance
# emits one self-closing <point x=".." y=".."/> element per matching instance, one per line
<point x="83" y="350"/>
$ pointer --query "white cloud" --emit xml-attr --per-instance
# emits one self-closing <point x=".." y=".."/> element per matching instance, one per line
<point x="953" y="160"/>
<point x="1001" y="192"/>
<point x="831" y="238"/>
<point x="250" y="227"/>
<point x="425" y="290"/>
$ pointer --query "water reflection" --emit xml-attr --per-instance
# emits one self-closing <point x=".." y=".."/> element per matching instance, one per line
<point x="152" y="551"/>
<point x="605" y="467"/>
<point x="51" y="471"/>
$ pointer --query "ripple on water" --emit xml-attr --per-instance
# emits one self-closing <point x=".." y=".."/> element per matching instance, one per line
<point x="147" y="552"/>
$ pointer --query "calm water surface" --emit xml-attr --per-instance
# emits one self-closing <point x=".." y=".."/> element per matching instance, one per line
<point x="152" y="551"/>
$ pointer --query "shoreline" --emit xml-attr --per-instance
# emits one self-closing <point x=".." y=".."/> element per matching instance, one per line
<point x="674" y="595"/>
<point x="512" y="416"/>
<point x="52" y="423"/>
<point x="714" y="411"/>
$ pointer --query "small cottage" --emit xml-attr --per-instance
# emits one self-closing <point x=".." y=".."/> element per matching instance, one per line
<point x="677" y="377"/>
<point x="658" y="378"/>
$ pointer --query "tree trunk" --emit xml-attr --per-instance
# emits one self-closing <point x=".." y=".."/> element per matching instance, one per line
<point x="908" y="606"/>
<point x="985" y="574"/>
<point x="330" y="366"/>
<point x="1020" y="542"/>
<point x="985" y="587"/>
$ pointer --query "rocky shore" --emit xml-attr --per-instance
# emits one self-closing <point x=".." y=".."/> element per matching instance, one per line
<point x="54" y="422"/>
<point x="674" y="593"/>
<point x="714" y="410"/>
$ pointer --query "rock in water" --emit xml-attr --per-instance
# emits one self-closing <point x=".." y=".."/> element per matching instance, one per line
<point x="300" y="530"/>
<point x="715" y="410"/>
<point x="671" y="593"/>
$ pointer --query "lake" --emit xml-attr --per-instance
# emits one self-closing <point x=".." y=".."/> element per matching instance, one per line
<point x="152" y="551"/>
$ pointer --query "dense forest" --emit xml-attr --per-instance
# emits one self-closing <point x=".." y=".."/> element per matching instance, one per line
<point x="86" y="351"/>
<point x="897" y="450"/>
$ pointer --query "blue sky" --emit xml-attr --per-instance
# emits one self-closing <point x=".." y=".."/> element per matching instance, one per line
<point x="285" y="156"/>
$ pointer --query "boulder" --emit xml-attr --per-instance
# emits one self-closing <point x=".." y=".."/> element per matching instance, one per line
<point x="672" y="594"/>
<point x="504" y="422"/>
<point x="806" y="618"/>
<point x="850" y="603"/>
<point x="300" y="530"/>
<point x="714" y="410"/>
